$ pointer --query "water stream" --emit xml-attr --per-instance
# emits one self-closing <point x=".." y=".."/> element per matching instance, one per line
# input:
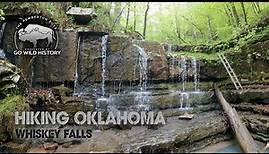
<point x="183" y="66"/>
<point x="143" y="67"/>
<point x="76" y="75"/>
<point x="2" y="53"/>
<point x="195" y="74"/>
<point x="104" y="52"/>
<point x="142" y="97"/>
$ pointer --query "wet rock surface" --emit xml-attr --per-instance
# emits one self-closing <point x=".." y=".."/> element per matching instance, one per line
<point x="57" y="68"/>
<point x="122" y="59"/>
<point x="171" y="137"/>
<point x="209" y="125"/>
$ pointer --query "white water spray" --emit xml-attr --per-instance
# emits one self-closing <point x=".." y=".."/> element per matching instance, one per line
<point x="183" y="66"/>
<point x="195" y="74"/>
<point x="104" y="50"/>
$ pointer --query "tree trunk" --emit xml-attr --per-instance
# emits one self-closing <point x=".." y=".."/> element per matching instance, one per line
<point x="254" y="8"/>
<point x="230" y="14"/>
<point x="244" y="13"/>
<point x="145" y="21"/>
<point x="134" y="17"/>
<point x="235" y="15"/>
<point x="258" y="7"/>
<point x="194" y="25"/>
<point x="128" y="14"/>
<point x="178" y="30"/>
<point x="117" y="12"/>
<point x="242" y="134"/>
<point x="211" y="30"/>
<point x="116" y="21"/>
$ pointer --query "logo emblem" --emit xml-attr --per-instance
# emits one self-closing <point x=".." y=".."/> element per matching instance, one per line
<point x="36" y="33"/>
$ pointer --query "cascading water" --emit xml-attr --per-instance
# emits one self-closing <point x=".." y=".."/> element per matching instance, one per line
<point x="184" y="98"/>
<point x="2" y="53"/>
<point x="104" y="50"/>
<point x="183" y="66"/>
<point x="142" y="97"/>
<point x="173" y="64"/>
<point x="76" y="75"/>
<point x="143" y="67"/>
<point x="102" y="102"/>
<point x="195" y="74"/>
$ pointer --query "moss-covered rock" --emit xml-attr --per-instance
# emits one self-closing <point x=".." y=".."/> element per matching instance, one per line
<point x="62" y="91"/>
<point x="7" y="108"/>
<point x="13" y="147"/>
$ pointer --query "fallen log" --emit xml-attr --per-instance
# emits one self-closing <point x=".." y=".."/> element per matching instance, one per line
<point x="243" y="136"/>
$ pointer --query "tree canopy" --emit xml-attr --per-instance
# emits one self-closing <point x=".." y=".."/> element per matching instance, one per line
<point x="173" y="22"/>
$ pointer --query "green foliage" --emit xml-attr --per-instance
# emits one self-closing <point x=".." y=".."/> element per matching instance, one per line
<point x="47" y="8"/>
<point x="13" y="103"/>
<point x="190" y="23"/>
<point x="103" y="20"/>
<point x="173" y="22"/>
<point x="2" y="14"/>
<point x="57" y="14"/>
<point x="198" y="55"/>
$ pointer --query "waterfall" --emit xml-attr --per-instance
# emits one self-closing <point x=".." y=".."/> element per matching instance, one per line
<point x="173" y="64"/>
<point x="104" y="50"/>
<point x="173" y="60"/>
<point x="143" y="67"/>
<point x="198" y="76"/>
<point x="142" y="97"/>
<point x="76" y="75"/>
<point x="195" y="74"/>
<point x="183" y="66"/>
<point x="32" y="72"/>
<point x="184" y="98"/>
<point x="2" y="53"/>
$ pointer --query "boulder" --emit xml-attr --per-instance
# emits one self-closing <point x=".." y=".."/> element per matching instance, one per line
<point x="81" y="15"/>
<point x="61" y="91"/>
<point x="11" y="78"/>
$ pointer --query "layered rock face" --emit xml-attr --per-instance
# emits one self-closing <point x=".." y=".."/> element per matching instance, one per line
<point x="254" y="111"/>
<point x="58" y="68"/>
<point x="121" y="60"/>
<point x="38" y="69"/>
